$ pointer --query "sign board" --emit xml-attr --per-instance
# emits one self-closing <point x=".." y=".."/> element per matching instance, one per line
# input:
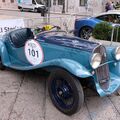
<point x="7" y="25"/>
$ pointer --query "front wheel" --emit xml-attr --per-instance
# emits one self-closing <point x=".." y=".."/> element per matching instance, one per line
<point x="21" y="9"/>
<point x="65" y="91"/>
<point x="86" y="32"/>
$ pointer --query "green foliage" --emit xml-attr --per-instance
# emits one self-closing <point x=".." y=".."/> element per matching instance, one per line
<point x="102" y="31"/>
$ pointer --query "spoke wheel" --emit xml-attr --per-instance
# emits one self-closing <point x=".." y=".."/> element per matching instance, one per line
<point x="65" y="91"/>
<point x="86" y="32"/>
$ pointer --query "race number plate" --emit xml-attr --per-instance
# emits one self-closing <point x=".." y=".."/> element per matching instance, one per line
<point x="34" y="52"/>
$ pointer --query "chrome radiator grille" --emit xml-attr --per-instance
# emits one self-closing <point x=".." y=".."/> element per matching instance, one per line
<point x="102" y="72"/>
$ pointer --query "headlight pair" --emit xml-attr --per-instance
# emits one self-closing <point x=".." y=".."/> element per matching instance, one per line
<point x="97" y="58"/>
<point x="117" y="53"/>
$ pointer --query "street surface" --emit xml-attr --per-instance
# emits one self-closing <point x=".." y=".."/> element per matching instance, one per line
<point x="24" y="95"/>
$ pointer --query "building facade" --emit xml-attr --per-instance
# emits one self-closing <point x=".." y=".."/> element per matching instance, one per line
<point x="8" y="4"/>
<point x="65" y="6"/>
<point x="79" y="6"/>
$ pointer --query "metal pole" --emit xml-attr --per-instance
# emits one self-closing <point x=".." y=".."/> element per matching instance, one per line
<point x="49" y="3"/>
<point x="63" y="10"/>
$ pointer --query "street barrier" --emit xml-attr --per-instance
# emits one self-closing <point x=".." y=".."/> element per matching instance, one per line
<point x="65" y="22"/>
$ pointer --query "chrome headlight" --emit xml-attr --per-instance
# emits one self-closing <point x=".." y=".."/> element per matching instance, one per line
<point x="117" y="53"/>
<point x="96" y="60"/>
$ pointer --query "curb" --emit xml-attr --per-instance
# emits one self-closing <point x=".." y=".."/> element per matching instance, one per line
<point x="56" y="13"/>
<point x="9" y="9"/>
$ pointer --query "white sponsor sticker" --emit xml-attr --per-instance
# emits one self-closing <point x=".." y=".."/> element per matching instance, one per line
<point x="34" y="52"/>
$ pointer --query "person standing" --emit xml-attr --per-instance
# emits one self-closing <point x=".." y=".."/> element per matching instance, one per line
<point x="109" y="6"/>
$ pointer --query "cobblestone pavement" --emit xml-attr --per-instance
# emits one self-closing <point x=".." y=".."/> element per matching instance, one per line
<point x="24" y="96"/>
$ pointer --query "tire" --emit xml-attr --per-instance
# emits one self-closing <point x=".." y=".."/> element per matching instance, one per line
<point x="2" y="67"/>
<point x="21" y="9"/>
<point x="65" y="92"/>
<point x="35" y="10"/>
<point x="85" y="32"/>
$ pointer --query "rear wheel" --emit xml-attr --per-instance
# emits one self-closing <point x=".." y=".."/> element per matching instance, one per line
<point x="2" y="67"/>
<point x="86" y="32"/>
<point x="65" y="91"/>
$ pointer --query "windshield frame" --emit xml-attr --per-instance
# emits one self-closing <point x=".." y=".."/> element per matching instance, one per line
<point x="48" y="33"/>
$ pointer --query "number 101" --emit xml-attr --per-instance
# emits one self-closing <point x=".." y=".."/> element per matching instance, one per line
<point x="33" y="53"/>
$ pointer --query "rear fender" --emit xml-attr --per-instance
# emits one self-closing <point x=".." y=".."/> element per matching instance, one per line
<point x="4" y="54"/>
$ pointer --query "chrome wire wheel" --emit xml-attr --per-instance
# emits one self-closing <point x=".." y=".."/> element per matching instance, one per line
<point x="86" y="32"/>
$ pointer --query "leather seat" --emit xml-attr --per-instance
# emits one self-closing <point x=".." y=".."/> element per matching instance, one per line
<point x="20" y="36"/>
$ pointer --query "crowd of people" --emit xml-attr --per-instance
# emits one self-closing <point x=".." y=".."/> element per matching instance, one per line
<point x="112" y="5"/>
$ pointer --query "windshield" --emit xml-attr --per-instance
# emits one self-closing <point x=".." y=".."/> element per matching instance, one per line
<point x="40" y="2"/>
<point x="52" y="33"/>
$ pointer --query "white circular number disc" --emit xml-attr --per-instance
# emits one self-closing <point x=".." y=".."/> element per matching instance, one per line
<point x="33" y="52"/>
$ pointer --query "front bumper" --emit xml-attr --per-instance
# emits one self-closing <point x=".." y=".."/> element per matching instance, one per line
<point x="113" y="86"/>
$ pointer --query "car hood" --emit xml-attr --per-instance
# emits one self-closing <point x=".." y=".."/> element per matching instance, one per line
<point x="85" y="18"/>
<point x="92" y="19"/>
<point x="72" y="42"/>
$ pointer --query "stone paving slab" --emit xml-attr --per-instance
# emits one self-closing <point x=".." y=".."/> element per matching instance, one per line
<point x="9" y="86"/>
<point x="101" y="109"/>
<point x="31" y="99"/>
<point x="28" y="107"/>
<point x="116" y="102"/>
<point x="6" y="103"/>
<point x="33" y="83"/>
<point x="10" y="81"/>
<point x="53" y="114"/>
<point x="24" y="96"/>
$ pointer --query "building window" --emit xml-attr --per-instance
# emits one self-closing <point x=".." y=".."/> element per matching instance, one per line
<point x="47" y="3"/>
<point x="3" y="0"/>
<point x="12" y="1"/>
<point x="54" y="2"/>
<point x="60" y="2"/>
<point x="83" y="2"/>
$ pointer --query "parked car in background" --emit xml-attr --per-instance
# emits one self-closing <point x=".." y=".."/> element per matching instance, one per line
<point x="70" y="60"/>
<point x="84" y="27"/>
<point x="32" y="5"/>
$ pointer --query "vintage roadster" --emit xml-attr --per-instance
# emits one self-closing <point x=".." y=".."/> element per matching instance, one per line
<point x="70" y="61"/>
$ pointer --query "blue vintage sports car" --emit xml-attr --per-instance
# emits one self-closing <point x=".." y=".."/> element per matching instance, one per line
<point x="84" y="27"/>
<point x="71" y="61"/>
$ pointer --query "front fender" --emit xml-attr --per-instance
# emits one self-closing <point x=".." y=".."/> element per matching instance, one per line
<point x="73" y="67"/>
<point x="70" y="65"/>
